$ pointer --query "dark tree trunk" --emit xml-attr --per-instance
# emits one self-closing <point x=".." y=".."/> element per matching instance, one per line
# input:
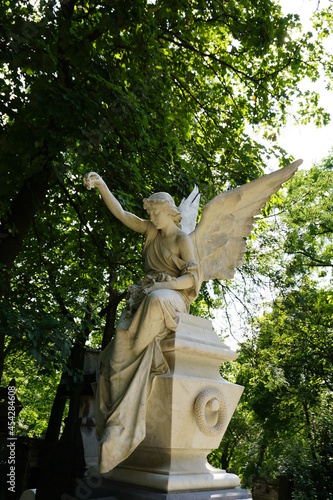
<point x="55" y="421"/>
<point x="310" y="437"/>
<point x="64" y="459"/>
<point x="111" y="314"/>
<point x="17" y="223"/>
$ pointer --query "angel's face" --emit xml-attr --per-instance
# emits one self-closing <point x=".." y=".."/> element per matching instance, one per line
<point x="159" y="216"/>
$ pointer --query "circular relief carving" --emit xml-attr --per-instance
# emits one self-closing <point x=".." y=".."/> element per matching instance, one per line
<point x="210" y="401"/>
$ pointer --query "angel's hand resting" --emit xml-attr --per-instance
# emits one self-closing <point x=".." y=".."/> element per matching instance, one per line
<point x="154" y="286"/>
<point x="92" y="180"/>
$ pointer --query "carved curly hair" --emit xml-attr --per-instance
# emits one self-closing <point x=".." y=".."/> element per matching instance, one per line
<point x="167" y="202"/>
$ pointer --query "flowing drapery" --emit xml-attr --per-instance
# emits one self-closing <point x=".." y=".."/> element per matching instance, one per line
<point x="134" y="357"/>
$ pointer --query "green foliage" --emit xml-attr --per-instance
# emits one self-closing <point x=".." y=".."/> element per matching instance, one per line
<point x="154" y="96"/>
<point x="36" y="388"/>
<point x="284" y="422"/>
<point x="297" y="241"/>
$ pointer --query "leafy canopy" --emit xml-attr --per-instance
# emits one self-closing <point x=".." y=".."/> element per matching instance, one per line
<point x="283" y="425"/>
<point x="152" y="95"/>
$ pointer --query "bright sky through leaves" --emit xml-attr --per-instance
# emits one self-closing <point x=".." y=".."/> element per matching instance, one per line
<point x="307" y="141"/>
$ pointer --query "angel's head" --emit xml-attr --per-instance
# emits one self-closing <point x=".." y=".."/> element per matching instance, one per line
<point x="163" y="203"/>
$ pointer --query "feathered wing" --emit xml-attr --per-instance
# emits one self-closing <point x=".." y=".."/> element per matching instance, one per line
<point x="227" y="220"/>
<point x="189" y="209"/>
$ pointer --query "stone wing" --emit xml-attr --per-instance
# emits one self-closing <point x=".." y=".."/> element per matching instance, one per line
<point x="219" y="238"/>
<point x="189" y="209"/>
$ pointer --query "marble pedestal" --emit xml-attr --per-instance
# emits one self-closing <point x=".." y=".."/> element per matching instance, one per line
<point x="188" y="413"/>
<point x="117" y="491"/>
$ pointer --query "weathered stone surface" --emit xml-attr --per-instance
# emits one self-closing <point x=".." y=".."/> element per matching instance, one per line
<point x="172" y="457"/>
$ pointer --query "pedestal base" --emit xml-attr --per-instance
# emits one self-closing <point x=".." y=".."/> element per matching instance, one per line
<point x="117" y="491"/>
<point x="210" y="479"/>
<point x="187" y="414"/>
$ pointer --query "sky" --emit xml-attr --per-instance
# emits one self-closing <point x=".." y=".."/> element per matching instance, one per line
<point x="307" y="141"/>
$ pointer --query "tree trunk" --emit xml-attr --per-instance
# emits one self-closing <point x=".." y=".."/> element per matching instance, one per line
<point x="64" y="459"/>
<point x="310" y="437"/>
<point x="111" y="314"/>
<point x="262" y="451"/>
<point x="55" y="421"/>
<point x="16" y="224"/>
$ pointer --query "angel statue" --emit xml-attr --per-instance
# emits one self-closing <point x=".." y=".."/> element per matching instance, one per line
<point x="178" y="258"/>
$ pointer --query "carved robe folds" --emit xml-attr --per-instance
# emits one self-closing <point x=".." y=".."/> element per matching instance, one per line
<point x="187" y="415"/>
<point x="134" y="357"/>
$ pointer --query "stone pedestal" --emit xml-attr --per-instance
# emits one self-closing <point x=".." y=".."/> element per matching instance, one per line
<point x="188" y="413"/>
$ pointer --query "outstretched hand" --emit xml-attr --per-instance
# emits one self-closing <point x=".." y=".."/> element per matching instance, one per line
<point x="91" y="180"/>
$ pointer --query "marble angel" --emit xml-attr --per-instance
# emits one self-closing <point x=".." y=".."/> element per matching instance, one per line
<point x="176" y="264"/>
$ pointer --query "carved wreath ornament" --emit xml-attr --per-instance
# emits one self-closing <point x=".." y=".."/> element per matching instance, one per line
<point x="210" y="400"/>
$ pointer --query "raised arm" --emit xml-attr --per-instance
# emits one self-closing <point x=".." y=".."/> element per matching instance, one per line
<point x="130" y="220"/>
